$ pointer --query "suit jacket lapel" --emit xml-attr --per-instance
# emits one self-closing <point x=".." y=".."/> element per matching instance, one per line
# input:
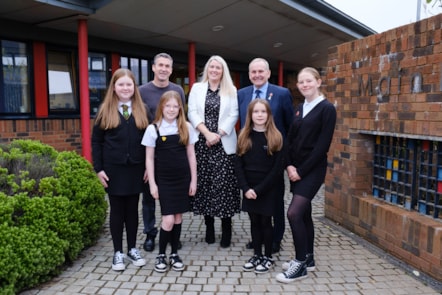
<point x="269" y="91"/>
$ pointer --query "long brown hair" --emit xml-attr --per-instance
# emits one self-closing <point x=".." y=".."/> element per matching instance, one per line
<point x="183" y="130"/>
<point x="272" y="134"/>
<point x="108" y="116"/>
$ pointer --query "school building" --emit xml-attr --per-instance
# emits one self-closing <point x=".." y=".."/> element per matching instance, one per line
<point x="385" y="164"/>
<point x="58" y="56"/>
<point x="384" y="180"/>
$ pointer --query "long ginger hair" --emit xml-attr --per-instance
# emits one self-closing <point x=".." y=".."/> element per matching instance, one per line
<point x="108" y="116"/>
<point x="183" y="129"/>
<point x="272" y="134"/>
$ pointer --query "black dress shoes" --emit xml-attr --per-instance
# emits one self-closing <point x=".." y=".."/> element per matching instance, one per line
<point x="149" y="244"/>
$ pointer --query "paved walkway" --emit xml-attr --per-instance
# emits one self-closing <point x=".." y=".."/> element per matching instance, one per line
<point x="345" y="264"/>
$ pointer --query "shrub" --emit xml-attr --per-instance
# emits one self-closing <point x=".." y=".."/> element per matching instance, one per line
<point x="52" y="206"/>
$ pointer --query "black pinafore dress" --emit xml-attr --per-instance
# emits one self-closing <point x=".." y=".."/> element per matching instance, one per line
<point x="172" y="174"/>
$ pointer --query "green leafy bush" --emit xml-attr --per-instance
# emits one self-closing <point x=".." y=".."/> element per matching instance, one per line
<point x="52" y="206"/>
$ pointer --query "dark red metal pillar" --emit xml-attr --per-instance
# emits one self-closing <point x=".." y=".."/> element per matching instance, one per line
<point x="192" y="64"/>
<point x="84" y="89"/>
<point x="280" y="73"/>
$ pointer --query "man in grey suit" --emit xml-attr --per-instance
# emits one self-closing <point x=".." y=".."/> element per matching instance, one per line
<point x="281" y="103"/>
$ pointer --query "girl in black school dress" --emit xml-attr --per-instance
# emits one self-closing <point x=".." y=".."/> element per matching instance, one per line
<point x="258" y="165"/>
<point x="171" y="169"/>
<point x="119" y="160"/>
<point x="308" y="142"/>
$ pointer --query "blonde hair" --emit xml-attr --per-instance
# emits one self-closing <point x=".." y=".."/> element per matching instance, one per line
<point x="108" y="116"/>
<point x="183" y="130"/>
<point x="315" y="75"/>
<point x="226" y="84"/>
<point x="272" y="134"/>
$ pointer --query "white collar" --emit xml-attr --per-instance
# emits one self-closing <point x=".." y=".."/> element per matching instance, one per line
<point x="314" y="102"/>
<point x="166" y="124"/>
<point x="129" y="103"/>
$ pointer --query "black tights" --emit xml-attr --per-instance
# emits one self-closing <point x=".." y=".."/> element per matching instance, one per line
<point x="299" y="215"/>
<point x="123" y="212"/>
<point x="262" y="233"/>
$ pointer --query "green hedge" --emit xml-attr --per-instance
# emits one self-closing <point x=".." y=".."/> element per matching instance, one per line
<point x="52" y="206"/>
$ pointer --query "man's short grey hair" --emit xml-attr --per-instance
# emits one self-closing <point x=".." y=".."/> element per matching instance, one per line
<point x="163" y="55"/>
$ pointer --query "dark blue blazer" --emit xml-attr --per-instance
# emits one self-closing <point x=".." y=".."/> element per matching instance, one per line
<point x="281" y="103"/>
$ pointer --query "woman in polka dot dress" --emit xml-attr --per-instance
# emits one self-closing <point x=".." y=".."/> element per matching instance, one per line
<point x="213" y="111"/>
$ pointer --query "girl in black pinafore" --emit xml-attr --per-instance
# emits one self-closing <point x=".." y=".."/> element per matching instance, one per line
<point x="171" y="169"/>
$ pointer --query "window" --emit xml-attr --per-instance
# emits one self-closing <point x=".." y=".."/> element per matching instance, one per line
<point x="97" y="80"/>
<point x="14" y="79"/>
<point x="138" y="66"/>
<point x="62" y="81"/>
<point x="408" y="173"/>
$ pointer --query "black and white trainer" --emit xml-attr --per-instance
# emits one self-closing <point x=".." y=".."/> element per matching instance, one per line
<point x="135" y="256"/>
<point x="252" y="263"/>
<point x="118" y="261"/>
<point x="176" y="263"/>
<point x="161" y="263"/>
<point x="266" y="264"/>
<point x="309" y="262"/>
<point x="297" y="270"/>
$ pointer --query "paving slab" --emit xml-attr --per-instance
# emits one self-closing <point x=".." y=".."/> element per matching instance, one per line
<point x="345" y="264"/>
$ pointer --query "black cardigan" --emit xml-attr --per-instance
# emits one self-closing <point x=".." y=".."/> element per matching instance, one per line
<point x="118" y="146"/>
<point x="309" y="138"/>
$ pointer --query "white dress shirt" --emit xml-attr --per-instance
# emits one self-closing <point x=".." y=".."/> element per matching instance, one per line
<point x="308" y="106"/>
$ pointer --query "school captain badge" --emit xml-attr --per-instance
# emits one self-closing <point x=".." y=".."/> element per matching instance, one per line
<point x="163" y="138"/>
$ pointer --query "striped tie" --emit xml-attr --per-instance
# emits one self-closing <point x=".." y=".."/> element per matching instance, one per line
<point x="125" y="111"/>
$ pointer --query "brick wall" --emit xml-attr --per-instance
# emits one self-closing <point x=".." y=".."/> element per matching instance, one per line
<point x="62" y="134"/>
<point x="404" y="99"/>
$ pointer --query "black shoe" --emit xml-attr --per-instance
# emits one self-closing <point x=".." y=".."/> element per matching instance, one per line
<point x="249" y="245"/>
<point x="310" y="262"/>
<point x="266" y="264"/>
<point x="180" y="245"/>
<point x="210" y="237"/>
<point x="276" y="247"/>
<point x="176" y="263"/>
<point x="252" y="263"/>
<point x="149" y="244"/>
<point x="210" y="229"/>
<point x="225" y="243"/>
<point x="297" y="270"/>
<point x="226" y="234"/>
<point x="161" y="263"/>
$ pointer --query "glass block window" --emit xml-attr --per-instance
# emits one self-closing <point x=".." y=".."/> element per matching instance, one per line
<point x="408" y="173"/>
<point x="429" y="201"/>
